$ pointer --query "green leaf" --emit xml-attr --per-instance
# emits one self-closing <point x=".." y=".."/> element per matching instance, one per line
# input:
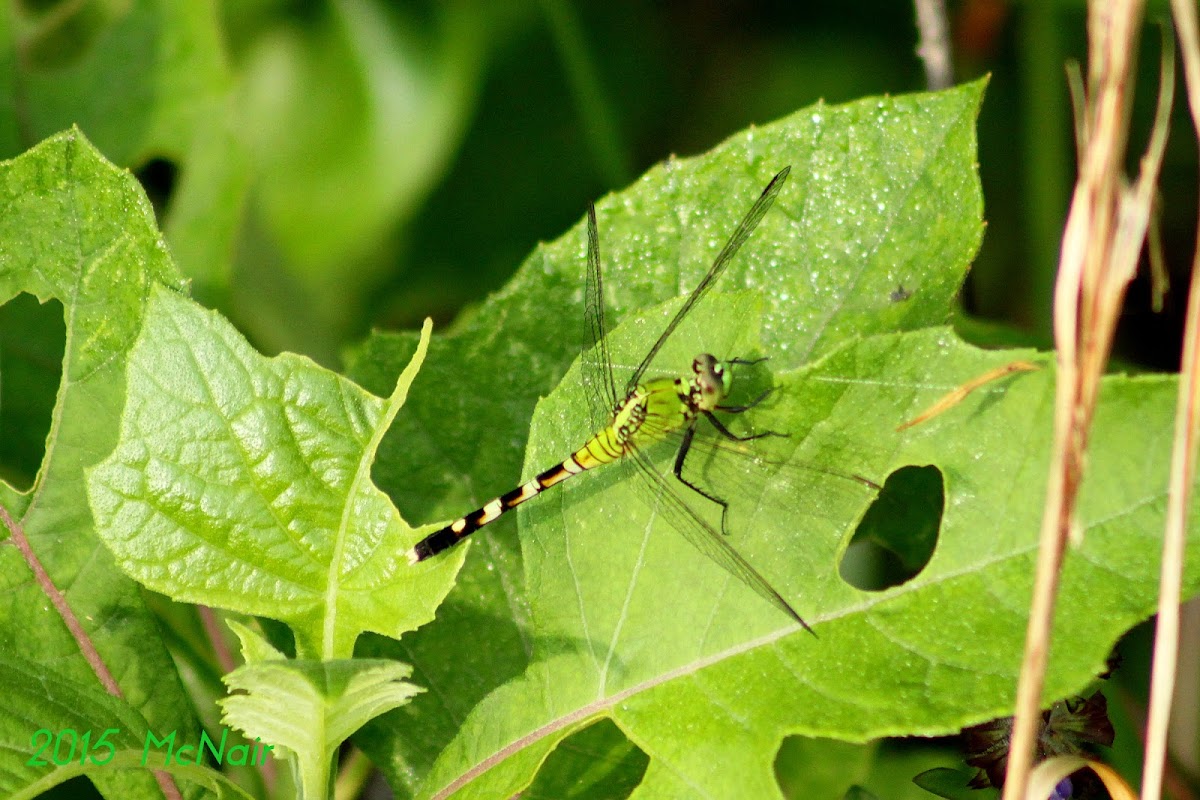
<point x="353" y="113"/>
<point x="360" y="103"/>
<point x="168" y="57"/>
<point x="926" y="657"/>
<point x="77" y="230"/>
<point x="624" y="620"/>
<point x="881" y="192"/>
<point x="244" y="482"/>
<point x="309" y="708"/>
<point x="255" y="648"/>
<point x="952" y="784"/>
<point x="827" y="259"/>
<point x="827" y="769"/>
<point x="131" y="763"/>
<point x="41" y="705"/>
<point x="821" y="768"/>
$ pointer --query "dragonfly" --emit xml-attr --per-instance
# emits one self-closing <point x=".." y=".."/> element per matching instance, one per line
<point x="648" y="412"/>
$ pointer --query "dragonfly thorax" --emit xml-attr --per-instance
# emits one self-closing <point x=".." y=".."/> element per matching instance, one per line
<point x="710" y="384"/>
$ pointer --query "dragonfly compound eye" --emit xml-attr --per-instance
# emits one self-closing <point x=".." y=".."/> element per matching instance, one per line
<point x="706" y="363"/>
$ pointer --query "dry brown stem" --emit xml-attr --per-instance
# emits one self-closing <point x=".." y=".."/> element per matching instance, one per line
<point x="1105" y="229"/>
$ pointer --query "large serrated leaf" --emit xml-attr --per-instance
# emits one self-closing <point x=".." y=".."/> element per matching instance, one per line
<point x="244" y="482"/>
<point x="872" y="234"/>
<point x="855" y="268"/>
<point x="707" y="679"/>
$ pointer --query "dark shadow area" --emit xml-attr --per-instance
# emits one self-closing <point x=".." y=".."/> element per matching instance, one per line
<point x="899" y="532"/>
<point x="79" y="788"/>
<point x="159" y="177"/>
<point x="32" y="338"/>
<point x="454" y="683"/>
<point x="596" y="763"/>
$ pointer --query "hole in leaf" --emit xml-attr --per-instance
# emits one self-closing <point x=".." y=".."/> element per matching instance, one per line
<point x="77" y="788"/>
<point x="158" y="177"/>
<point x="812" y="766"/>
<point x="598" y="761"/>
<point x="897" y="535"/>
<point x="32" y="338"/>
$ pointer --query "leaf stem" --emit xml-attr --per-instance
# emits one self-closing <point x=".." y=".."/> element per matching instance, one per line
<point x="46" y="584"/>
<point x="86" y="646"/>
<point x="1183" y="466"/>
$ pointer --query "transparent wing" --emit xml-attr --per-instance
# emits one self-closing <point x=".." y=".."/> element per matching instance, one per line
<point x="714" y="453"/>
<point x="705" y="538"/>
<point x="597" y="366"/>
<point x="747" y="226"/>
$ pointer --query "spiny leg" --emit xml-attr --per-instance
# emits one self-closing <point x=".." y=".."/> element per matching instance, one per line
<point x="684" y="447"/>
<point x="748" y="362"/>
<point x="728" y="434"/>
<point x="750" y="405"/>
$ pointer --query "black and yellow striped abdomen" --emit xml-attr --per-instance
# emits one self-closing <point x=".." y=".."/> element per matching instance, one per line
<point x="649" y="412"/>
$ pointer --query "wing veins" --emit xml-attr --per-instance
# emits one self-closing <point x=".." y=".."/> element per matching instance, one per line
<point x="602" y="389"/>
<point x="739" y="237"/>
<point x="708" y="541"/>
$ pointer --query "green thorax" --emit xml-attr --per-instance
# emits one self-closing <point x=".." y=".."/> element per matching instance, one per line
<point x="656" y="408"/>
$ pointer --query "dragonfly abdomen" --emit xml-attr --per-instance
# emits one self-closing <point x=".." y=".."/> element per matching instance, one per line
<point x="649" y="412"/>
<point x="602" y="448"/>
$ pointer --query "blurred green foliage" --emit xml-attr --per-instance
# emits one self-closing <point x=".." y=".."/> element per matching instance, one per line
<point x="323" y="168"/>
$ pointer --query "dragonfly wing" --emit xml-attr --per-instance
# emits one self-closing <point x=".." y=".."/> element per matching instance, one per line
<point x="739" y="237"/>
<point x="712" y="453"/>
<point x="706" y="539"/>
<point x="596" y="364"/>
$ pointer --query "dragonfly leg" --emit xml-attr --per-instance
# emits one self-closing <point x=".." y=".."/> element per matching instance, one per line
<point x="747" y="362"/>
<point x="750" y="405"/>
<point x="684" y="447"/>
<point x="728" y="434"/>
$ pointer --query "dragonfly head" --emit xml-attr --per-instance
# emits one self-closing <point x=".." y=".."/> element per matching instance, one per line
<point x="712" y="382"/>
